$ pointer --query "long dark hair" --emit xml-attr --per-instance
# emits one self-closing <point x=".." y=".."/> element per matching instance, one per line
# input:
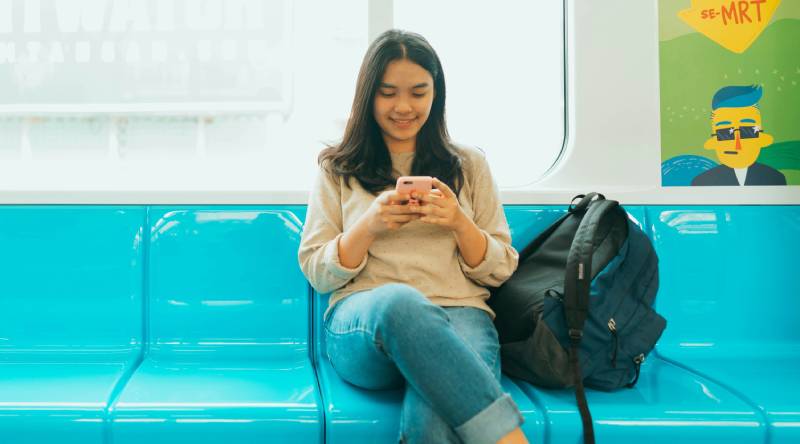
<point x="362" y="152"/>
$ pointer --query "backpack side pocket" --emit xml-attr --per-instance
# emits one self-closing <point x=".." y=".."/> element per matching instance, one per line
<point x="540" y="359"/>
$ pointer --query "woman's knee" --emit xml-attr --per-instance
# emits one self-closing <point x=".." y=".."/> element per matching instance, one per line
<point x="357" y="359"/>
<point x="402" y="305"/>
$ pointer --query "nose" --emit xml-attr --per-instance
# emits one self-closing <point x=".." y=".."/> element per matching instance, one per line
<point x="738" y="142"/>
<point x="402" y="107"/>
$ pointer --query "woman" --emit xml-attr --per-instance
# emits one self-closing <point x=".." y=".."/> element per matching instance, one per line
<point x="408" y="280"/>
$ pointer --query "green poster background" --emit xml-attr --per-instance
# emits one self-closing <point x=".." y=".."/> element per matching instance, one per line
<point x="693" y="68"/>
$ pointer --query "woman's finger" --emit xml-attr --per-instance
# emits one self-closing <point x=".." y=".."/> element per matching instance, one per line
<point x="431" y="210"/>
<point x="441" y="186"/>
<point x="394" y="198"/>
<point x="432" y="220"/>
<point x="398" y="209"/>
<point x="400" y="219"/>
<point x="435" y="197"/>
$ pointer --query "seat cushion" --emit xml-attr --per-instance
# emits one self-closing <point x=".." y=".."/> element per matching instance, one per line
<point x="668" y="405"/>
<point x="232" y="402"/>
<point x="732" y="303"/>
<point x="767" y="380"/>
<point x="60" y="401"/>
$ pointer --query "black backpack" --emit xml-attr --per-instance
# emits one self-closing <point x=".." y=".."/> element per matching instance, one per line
<point x="578" y="309"/>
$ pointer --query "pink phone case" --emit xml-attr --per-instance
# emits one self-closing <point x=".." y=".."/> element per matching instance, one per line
<point x="421" y="184"/>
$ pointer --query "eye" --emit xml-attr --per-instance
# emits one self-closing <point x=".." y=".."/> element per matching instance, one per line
<point x="419" y="94"/>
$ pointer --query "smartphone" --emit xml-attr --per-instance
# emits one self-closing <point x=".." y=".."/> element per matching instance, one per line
<point x="420" y="184"/>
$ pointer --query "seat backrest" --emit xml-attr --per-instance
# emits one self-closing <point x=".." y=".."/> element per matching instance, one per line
<point x="71" y="281"/>
<point x="224" y="282"/>
<point x="728" y="279"/>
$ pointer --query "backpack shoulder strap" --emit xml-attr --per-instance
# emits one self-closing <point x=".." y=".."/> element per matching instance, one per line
<point x="577" y="282"/>
<point x="578" y="275"/>
<point x="585" y="200"/>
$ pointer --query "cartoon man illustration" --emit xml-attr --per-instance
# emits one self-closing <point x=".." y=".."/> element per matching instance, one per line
<point x="737" y="137"/>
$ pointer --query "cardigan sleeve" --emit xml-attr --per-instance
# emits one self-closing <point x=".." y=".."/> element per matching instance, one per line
<point x="318" y="254"/>
<point x="501" y="258"/>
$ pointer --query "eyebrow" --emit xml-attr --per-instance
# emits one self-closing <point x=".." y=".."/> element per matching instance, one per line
<point x="747" y="121"/>
<point x="389" y="85"/>
<point x="724" y="122"/>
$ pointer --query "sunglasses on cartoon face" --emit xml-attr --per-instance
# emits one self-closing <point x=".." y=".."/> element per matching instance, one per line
<point x="745" y="132"/>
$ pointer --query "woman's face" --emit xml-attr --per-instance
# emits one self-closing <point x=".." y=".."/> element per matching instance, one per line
<point x="402" y="103"/>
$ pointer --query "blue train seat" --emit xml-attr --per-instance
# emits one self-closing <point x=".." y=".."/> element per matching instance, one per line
<point x="730" y="292"/>
<point x="227" y="351"/>
<point x="669" y="403"/>
<point x="194" y="324"/>
<point x="70" y="318"/>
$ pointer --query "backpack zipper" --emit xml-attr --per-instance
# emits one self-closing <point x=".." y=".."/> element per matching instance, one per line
<point x="553" y="293"/>
<point x="612" y="327"/>
<point x="638" y="360"/>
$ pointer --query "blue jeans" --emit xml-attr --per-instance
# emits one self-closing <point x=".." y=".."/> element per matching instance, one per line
<point x="448" y="358"/>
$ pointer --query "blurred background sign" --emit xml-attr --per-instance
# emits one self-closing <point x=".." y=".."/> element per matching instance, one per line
<point x="129" y="56"/>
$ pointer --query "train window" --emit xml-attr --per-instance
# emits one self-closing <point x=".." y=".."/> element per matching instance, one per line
<point x="246" y="92"/>
<point x="503" y="64"/>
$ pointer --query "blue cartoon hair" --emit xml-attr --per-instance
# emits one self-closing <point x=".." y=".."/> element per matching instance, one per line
<point x="736" y="96"/>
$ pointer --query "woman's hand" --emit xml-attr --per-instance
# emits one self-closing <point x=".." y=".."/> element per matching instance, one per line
<point x="387" y="212"/>
<point x="440" y="207"/>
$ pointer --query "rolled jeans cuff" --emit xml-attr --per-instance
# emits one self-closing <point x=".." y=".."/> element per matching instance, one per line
<point x="492" y="423"/>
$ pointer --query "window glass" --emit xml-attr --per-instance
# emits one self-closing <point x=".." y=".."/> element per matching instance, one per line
<point x="236" y="86"/>
<point x="503" y="64"/>
<point x="256" y="88"/>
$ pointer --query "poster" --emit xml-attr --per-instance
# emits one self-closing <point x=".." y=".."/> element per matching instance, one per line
<point x="730" y="92"/>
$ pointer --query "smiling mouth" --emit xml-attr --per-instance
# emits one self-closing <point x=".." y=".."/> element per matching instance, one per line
<point x="403" y="124"/>
<point x="730" y="152"/>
